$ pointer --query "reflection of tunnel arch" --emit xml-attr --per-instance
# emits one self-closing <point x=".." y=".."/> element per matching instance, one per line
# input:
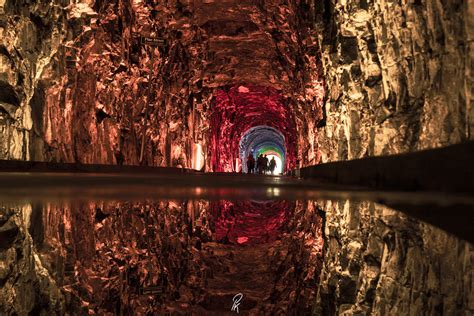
<point x="250" y="222"/>
<point x="238" y="109"/>
<point x="262" y="140"/>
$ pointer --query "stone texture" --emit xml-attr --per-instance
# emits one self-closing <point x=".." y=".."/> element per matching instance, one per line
<point x="78" y="85"/>
<point x="378" y="261"/>
<point x="98" y="257"/>
<point x="398" y="76"/>
<point x="26" y="286"/>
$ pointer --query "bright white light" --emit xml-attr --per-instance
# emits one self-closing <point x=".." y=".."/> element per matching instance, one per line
<point x="198" y="159"/>
<point x="279" y="165"/>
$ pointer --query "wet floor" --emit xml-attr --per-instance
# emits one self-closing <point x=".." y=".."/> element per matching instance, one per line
<point x="191" y="244"/>
<point x="452" y="212"/>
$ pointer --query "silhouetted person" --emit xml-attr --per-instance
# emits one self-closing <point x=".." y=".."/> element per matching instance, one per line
<point x="265" y="164"/>
<point x="260" y="162"/>
<point x="250" y="163"/>
<point x="119" y="157"/>
<point x="272" y="165"/>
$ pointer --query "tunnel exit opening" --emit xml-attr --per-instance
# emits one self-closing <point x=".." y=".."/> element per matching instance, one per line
<point x="263" y="140"/>
<point x="251" y="119"/>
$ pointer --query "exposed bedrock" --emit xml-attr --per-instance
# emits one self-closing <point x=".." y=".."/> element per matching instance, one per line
<point x="78" y="84"/>
<point x="378" y="261"/>
<point x="398" y="76"/>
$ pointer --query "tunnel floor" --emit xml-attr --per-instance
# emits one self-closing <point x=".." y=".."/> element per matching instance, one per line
<point x="445" y="209"/>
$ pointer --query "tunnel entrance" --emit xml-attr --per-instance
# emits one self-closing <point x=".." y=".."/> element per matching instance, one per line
<point x="263" y="140"/>
<point x="250" y="117"/>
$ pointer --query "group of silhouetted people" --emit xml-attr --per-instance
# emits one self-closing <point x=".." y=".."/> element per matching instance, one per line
<point x="261" y="166"/>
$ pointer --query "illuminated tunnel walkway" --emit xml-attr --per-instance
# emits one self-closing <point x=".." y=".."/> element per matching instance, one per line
<point x="124" y="132"/>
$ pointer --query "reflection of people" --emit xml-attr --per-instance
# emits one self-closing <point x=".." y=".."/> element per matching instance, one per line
<point x="250" y="163"/>
<point x="272" y="165"/>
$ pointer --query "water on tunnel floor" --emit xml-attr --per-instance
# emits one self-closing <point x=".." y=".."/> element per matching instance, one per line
<point x="192" y="257"/>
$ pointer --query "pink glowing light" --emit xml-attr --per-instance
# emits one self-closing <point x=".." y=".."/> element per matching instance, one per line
<point x="241" y="108"/>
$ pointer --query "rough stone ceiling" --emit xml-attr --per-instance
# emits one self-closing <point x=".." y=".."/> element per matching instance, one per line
<point x="240" y="47"/>
<point x="250" y="222"/>
<point x="246" y="41"/>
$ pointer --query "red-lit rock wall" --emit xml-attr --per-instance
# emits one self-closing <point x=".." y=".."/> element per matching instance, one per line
<point x="120" y="101"/>
<point x="236" y="111"/>
<point x="77" y="84"/>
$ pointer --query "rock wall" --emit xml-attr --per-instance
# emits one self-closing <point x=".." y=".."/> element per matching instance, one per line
<point x="398" y="76"/>
<point x="381" y="262"/>
<point x="30" y="34"/>
<point x="79" y="85"/>
<point x="26" y="286"/>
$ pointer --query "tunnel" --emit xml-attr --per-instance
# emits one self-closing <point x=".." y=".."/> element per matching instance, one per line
<point x="125" y="131"/>
<point x="247" y="118"/>
<point x="263" y="140"/>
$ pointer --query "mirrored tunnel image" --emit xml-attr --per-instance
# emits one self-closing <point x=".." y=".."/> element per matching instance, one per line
<point x="183" y="257"/>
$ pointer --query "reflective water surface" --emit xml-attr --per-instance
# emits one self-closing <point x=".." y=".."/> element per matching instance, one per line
<point x="151" y="254"/>
<point x="192" y="257"/>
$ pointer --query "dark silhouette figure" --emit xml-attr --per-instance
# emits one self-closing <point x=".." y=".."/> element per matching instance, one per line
<point x="250" y="164"/>
<point x="260" y="162"/>
<point x="265" y="164"/>
<point x="272" y="165"/>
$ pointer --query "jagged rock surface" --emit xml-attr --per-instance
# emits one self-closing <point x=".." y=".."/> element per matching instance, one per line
<point x="79" y="86"/>
<point x="98" y="258"/>
<point x="381" y="262"/>
<point x="398" y="76"/>
<point x="26" y="286"/>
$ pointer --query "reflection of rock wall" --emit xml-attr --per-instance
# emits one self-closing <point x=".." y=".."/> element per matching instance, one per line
<point x="250" y="222"/>
<point x="104" y="254"/>
<point x="378" y="261"/>
<point x="297" y="261"/>
<point x="398" y="76"/>
<point x="26" y="287"/>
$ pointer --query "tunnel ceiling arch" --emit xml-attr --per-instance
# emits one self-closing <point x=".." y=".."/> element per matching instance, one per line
<point x="240" y="108"/>
<point x="262" y="139"/>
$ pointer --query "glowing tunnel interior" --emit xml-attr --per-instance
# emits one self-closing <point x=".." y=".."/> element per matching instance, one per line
<point x="263" y="140"/>
<point x="249" y="117"/>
